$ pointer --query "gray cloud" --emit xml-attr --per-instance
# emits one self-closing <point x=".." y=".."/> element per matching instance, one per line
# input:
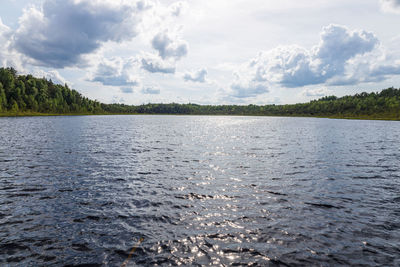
<point x="337" y="46"/>
<point x="384" y="70"/>
<point x="391" y="6"/>
<point x="154" y="64"/>
<point x="127" y="90"/>
<point x="115" y="73"/>
<point x="150" y="91"/>
<point x="366" y="73"/>
<point x="293" y="66"/>
<point x="114" y="80"/>
<point x="63" y="30"/>
<point x="169" y="47"/>
<point x="248" y="90"/>
<point x="198" y="76"/>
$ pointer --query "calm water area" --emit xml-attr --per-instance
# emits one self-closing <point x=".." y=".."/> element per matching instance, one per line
<point x="199" y="191"/>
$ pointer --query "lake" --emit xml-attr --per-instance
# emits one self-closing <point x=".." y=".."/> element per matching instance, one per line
<point x="199" y="190"/>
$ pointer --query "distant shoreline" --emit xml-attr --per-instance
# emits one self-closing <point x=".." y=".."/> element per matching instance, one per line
<point x="38" y="114"/>
<point x="25" y="95"/>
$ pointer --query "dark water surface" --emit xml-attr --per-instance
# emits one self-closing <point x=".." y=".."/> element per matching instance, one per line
<point x="199" y="191"/>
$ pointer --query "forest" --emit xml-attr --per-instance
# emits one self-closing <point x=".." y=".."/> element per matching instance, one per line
<point x="23" y="95"/>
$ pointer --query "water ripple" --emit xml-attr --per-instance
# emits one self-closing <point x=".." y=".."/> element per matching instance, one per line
<point x="220" y="191"/>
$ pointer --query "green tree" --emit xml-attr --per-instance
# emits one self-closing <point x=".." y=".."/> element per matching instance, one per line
<point x="3" y="99"/>
<point x="14" y="106"/>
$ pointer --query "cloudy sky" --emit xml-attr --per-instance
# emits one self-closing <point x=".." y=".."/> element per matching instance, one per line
<point x="206" y="52"/>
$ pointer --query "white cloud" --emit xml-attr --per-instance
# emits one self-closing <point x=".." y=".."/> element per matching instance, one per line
<point x="153" y="63"/>
<point x="391" y="6"/>
<point x="248" y="89"/>
<point x="285" y="65"/>
<point x="169" y="46"/>
<point x="197" y="76"/>
<point x="338" y="45"/>
<point x="328" y="62"/>
<point x="61" y="31"/>
<point x="116" y="72"/>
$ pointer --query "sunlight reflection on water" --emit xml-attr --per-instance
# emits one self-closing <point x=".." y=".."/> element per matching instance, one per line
<point x="199" y="190"/>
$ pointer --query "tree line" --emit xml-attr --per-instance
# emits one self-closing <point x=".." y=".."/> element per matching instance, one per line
<point x="25" y="93"/>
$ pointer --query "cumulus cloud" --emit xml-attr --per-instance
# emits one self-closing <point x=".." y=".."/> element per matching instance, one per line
<point x="61" y="31"/>
<point x="75" y="33"/>
<point x="169" y="46"/>
<point x="197" y="76"/>
<point x="170" y="49"/>
<point x="293" y="66"/>
<point x="153" y="64"/>
<point x="248" y="90"/>
<point x="391" y="6"/>
<point x="363" y="71"/>
<point x="328" y="62"/>
<point x="338" y="45"/>
<point x="245" y="87"/>
<point x="290" y="65"/>
<point x="115" y="72"/>
<point x="150" y="91"/>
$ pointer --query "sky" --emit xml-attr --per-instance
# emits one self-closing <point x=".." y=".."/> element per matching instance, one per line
<point x="205" y="52"/>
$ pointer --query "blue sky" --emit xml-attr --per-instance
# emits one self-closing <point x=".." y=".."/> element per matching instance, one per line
<point x="206" y="52"/>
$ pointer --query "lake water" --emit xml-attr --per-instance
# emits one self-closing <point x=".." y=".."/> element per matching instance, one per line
<point x="199" y="190"/>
